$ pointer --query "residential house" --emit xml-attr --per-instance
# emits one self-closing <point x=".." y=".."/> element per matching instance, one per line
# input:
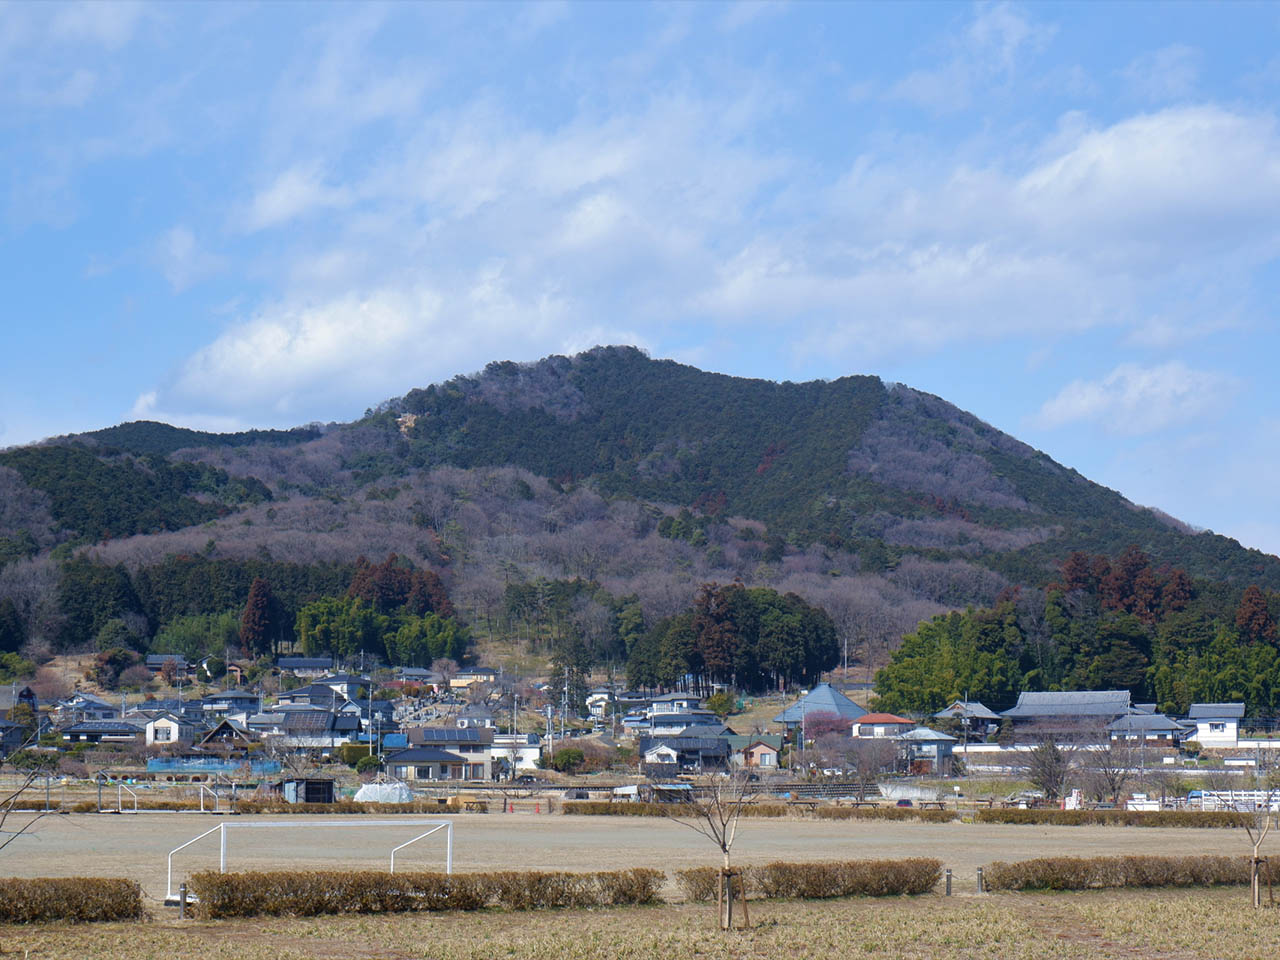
<point x="668" y="756"/>
<point x="927" y="752"/>
<point x="15" y="695"/>
<point x="881" y="725"/>
<point x="466" y="679"/>
<point x="155" y="662"/>
<point x="760" y="750"/>
<point x="1078" y="714"/>
<point x="12" y="737"/>
<point x="314" y="728"/>
<point x="673" y="703"/>
<point x="306" y="667"/>
<point x="473" y="744"/>
<point x="977" y="720"/>
<point x="822" y="699"/>
<point x="417" y="764"/>
<point x="102" y="731"/>
<point x="670" y="724"/>
<point x="475" y="715"/>
<point x="230" y="701"/>
<point x="347" y="685"/>
<point x="1146" y="728"/>
<point x="519" y="751"/>
<point x="1217" y="724"/>
<point x="85" y="706"/>
<point x="169" y="729"/>
<point x="227" y="733"/>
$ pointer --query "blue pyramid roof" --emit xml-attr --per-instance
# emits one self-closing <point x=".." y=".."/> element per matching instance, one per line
<point x="823" y="698"/>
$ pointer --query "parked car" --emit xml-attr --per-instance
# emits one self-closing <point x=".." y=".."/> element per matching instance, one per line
<point x="905" y="803"/>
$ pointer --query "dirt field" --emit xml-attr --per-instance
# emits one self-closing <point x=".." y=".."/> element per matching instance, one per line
<point x="136" y="845"/>
<point x="1177" y="925"/>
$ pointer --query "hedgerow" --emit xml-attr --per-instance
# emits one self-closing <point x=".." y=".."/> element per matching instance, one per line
<point x="304" y="894"/>
<point x="847" y="878"/>
<point x="1118" y="818"/>
<point x="81" y="899"/>
<point x="1084" y="873"/>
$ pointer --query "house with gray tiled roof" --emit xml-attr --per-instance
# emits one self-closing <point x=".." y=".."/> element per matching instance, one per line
<point x="823" y="698"/>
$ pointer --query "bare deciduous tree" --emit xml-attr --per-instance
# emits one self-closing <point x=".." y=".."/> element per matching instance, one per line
<point x="714" y="813"/>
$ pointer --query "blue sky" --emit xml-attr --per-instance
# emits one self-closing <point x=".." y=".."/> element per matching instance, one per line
<point x="1065" y="218"/>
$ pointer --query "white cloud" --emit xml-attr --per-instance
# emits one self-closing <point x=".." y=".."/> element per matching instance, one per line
<point x="109" y="24"/>
<point x="1134" y="399"/>
<point x="745" y="12"/>
<point x="1166" y="74"/>
<point x="294" y="193"/>
<point x="986" y="54"/>
<point x="182" y="259"/>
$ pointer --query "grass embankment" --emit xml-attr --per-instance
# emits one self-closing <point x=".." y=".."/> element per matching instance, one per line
<point x="1137" y="925"/>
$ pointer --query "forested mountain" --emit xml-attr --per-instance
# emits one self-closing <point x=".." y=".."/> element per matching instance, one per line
<point x="581" y="500"/>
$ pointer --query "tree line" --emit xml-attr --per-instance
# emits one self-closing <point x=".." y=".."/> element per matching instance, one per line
<point x="752" y="638"/>
<point x="1103" y="623"/>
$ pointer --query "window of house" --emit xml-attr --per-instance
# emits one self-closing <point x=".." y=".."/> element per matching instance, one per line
<point x="1217" y="728"/>
<point x="163" y="734"/>
<point x="422" y="773"/>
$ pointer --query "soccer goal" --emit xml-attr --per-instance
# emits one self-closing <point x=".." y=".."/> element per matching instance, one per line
<point x="171" y="896"/>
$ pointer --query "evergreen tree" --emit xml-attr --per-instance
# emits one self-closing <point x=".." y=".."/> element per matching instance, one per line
<point x="258" y="626"/>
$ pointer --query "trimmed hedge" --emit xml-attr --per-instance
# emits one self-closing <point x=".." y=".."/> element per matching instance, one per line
<point x="81" y="899"/>
<point x="886" y="813"/>
<point x="1116" y="818"/>
<point x="275" y="806"/>
<point x="305" y="894"/>
<point x="1081" y="873"/>
<point x="818" y="881"/>
<point x="628" y="808"/>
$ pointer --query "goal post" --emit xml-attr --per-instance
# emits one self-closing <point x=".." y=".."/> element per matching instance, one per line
<point x="171" y="897"/>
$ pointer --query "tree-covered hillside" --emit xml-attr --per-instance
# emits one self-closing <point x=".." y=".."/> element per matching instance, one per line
<point x="572" y="506"/>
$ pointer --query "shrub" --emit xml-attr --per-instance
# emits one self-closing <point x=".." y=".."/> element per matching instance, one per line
<point x="885" y="813"/>
<point x="82" y="899"/>
<point x="849" y="878"/>
<point x="304" y="894"/>
<point x="700" y="883"/>
<point x="1080" y="873"/>
<point x="1126" y="818"/>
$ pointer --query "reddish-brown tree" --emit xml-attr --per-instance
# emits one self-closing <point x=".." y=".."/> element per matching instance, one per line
<point x="1252" y="616"/>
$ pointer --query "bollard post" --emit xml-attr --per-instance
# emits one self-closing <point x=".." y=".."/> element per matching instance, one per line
<point x="981" y="887"/>
<point x="948" y="881"/>
<point x="182" y="901"/>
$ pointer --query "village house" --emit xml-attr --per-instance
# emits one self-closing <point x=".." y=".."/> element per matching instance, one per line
<point x="102" y="731"/>
<point x="1217" y="725"/>
<point x="168" y="729"/>
<point x="823" y="699"/>
<point x="881" y="725"/>
<point x="1148" y="728"/>
<point x="1078" y="714"/>
<point x="473" y="744"/>
<point x="927" y="752"/>
<point x="668" y="756"/>
<point x="519" y="751"/>
<point x="305" y="667"/>
<point x="418" y="764"/>
<point x="85" y="706"/>
<point x="756" y="751"/>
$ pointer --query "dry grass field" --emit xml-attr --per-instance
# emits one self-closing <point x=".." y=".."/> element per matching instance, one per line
<point x="136" y="845"/>
<point x="1182" y="925"/>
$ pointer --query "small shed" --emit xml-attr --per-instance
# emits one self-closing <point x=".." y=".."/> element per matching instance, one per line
<point x="306" y="790"/>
